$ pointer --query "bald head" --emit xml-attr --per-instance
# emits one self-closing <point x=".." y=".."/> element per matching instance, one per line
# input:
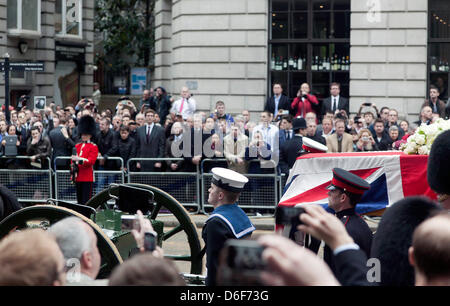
<point x="430" y="251"/>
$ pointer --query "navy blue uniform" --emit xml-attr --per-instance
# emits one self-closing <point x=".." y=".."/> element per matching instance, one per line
<point x="226" y="222"/>
<point x="358" y="229"/>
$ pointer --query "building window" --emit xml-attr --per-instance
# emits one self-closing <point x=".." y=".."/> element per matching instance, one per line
<point x="24" y="18"/>
<point x="68" y="18"/>
<point x="309" y="42"/>
<point x="439" y="46"/>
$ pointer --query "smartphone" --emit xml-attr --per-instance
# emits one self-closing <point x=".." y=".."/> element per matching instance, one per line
<point x="150" y="241"/>
<point x="367" y="104"/>
<point x="130" y="222"/>
<point x="244" y="255"/>
<point x="288" y="215"/>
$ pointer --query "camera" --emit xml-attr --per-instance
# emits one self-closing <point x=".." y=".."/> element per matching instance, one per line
<point x="365" y="138"/>
<point x="288" y="215"/>
<point x="367" y="104"/>
<point x="130" y="222"/>
<point x="244" y="255"/>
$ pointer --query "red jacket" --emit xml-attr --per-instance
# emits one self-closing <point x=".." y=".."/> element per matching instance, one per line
<point x="304" y="107"/>
<point x="89" y="152"/>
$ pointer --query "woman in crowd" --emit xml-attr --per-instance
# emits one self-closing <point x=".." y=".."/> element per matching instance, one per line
<point x="365" y="141"/>
<point x="304" y="102"/>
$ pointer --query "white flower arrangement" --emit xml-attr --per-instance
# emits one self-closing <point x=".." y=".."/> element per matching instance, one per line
<point x="420" y="143"/>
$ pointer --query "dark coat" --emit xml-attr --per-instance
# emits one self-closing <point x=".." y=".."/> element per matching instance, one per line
<point x="342" y="104"/>
<point x="358" y="229"/>
<point x="42" y="149"/>
<point x="61" y="147"/>
<point x="105" y="142"/>
<point x="154" y="148"/>
<point x="126" y="149"/>
<point x="289" y="153"/>
<point x="283" y="104"/>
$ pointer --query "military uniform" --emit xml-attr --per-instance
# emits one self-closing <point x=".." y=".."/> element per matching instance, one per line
<point x="227" y="221"/>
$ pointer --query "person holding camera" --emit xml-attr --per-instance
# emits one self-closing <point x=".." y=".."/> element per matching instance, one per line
<point x="304" y="102"/>
<point x="227" y="221"/>
<point x="366" y="143"/>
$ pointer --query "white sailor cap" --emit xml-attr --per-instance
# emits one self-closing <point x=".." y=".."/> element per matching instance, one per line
<point x="228" y="179"/>
<point x="313" y="146"/>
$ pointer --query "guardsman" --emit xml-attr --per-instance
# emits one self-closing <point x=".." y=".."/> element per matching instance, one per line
<point x="85" y="159"/>
<point x="227" y="221"/>
<point x="438" y="169"/>
<point x="345" y="191"/>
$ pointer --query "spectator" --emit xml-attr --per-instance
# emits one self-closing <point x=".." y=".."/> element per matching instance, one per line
<point x="430" y="251"/>
<point x="174" y="148"/>
<point x="219" y="113"/>
<point x="146" y="270"/>
<point x="379" y="134"/>
<point x="437" y="106"/>
<point x="311" y="132"/>
<point x="278" y="102"/>
<point x="147" y="101"/>
<point x="335" y="102"/>
<point x="240" y="123"/>
<point x="392" y="121"/>
<point x="31" y="258"/>
<point x="340" y="141"/>
<point x="358" y="123"/>
<point x="150" y="143"/>
<point x="62" y="145"/>
<point x="11" y="163"/>
<point x="235" y="144"/>
<point x="327" y="127"/>
<point x="213" y="149"/>
<point x="365" y="141"/>
<point x="140" y="119"/>
<point x="304" y="102"/>
<point x="269" y="132"/>
<point x="369" y="119"/>
<point x="386" y="144"/>
<point x="72" y="128"/>
<point x="246" y="115"/>
<point x="163" y="102"/>
<point x="39" y="148"/>
<point x="259" y="150"/>
<point x="97" y="95"/>
<point x="404" y="125"/>
<point x="384" y="114"/>
<point x="185" y="106"/>
<point x="426" y="115"/>
<point x="116" y="122"/>
<point x="286" y="131"/>
<point x="124" y="148"/>
<point x="78" y="241"/>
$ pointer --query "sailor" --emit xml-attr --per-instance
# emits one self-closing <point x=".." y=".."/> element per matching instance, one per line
<point x="85" y="158"/>
<point x="438" y="170"/>
<point x="345" y="191"/>
<point x="227" y="221"/>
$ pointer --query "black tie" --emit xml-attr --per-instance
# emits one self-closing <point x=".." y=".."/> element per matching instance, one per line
<point x="334" y="105"/>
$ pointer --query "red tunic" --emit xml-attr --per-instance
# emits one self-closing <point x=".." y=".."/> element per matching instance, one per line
<point x="89" y="152"/>
<point x="304" y="107"/>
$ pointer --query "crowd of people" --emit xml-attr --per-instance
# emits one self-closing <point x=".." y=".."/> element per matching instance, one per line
<point x="162" y="127"/>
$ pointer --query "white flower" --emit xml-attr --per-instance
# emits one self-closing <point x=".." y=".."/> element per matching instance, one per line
<point x="420" y="139"/>
<point x="423" y="150"/>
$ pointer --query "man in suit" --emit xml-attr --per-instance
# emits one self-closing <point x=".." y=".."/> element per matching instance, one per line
<point x="286" y="131"/>
<point x="340" y="141"/>
<point x="335" y="102"/>
<point x="277" y="102"/>
<point x="61" y="143"/>
<point x="150" y="143"/>
<point x="291" y="148"/>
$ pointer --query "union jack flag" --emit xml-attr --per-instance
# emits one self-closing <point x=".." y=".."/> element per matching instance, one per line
<point x="392" y="176"/>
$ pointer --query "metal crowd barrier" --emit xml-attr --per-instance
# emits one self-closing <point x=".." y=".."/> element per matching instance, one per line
<point x="65" y="190"/>
<point x="29" y="184"/>
<point x="183" y="186"/>
<point x="190" y="188"/>
<point x="261" y="192"/>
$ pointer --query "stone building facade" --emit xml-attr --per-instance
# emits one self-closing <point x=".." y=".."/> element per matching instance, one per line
<point x="59" y="33"/>
<point x="222" y="50"/>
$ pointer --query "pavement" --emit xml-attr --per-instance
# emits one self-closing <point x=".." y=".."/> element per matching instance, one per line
<point x="262" y="223"/>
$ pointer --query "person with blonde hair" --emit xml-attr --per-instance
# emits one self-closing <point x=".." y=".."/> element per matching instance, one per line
<point x="365" y="141"/>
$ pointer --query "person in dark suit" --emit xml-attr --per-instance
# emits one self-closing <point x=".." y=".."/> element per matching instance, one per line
<point x="335" y="101"/>
<point x="291" y="148"/>
<point x="380" y="135"/>
<point x="62" y="145"/>
<point x="277" y="102"/>
<point x="286" y="131"/>
<point x="150" y="143"/>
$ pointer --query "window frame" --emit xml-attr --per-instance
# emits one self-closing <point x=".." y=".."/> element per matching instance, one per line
<point x="19" y="31"/>
<point x="63" y="33"/>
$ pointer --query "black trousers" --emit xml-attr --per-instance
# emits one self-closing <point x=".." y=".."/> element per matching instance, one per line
<point x="85" y="191"/>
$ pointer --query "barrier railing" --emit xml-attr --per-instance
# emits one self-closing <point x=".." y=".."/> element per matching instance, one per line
<point x="65" y="190"/>
<point x="29" y="184"/>
<point x="32" y="185"/>
<point x="183" y="186"/>
<point x="261" y="192"/>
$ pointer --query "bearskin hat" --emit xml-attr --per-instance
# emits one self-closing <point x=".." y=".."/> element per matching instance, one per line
<point x="394" y="237"/>
<point x="86" y="125"/>
<point x="438" y="171"/>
